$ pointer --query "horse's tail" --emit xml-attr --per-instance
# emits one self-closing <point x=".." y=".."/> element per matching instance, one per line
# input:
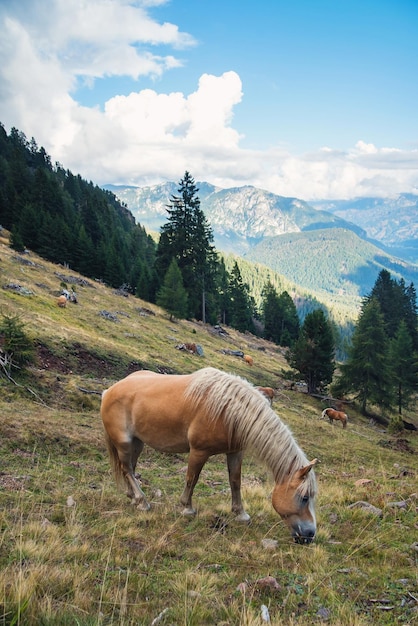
<point x="113" y="455"/>
<point x="114" y="461"/>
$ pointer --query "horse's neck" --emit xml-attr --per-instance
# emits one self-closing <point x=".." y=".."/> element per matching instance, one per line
<point x="274" y="444"/>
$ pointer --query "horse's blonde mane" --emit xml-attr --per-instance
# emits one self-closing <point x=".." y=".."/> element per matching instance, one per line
<point x="251" y="421"/>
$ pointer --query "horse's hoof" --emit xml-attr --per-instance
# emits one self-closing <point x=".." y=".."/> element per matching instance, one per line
<point x="188" y="511"/>
<point x="143" y="506"/>
<point x="243" y="518"/>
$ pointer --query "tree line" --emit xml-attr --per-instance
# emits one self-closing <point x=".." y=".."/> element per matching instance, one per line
<point x="68" y="220"/>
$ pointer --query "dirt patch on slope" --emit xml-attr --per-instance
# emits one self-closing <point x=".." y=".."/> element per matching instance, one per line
<point x="75" y="359"/>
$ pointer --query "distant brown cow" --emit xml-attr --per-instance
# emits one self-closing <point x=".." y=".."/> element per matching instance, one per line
<point x="62" y="302"/>
<point x="248" y="359"/>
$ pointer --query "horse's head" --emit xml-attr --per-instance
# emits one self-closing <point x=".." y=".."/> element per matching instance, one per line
<point x="294" y="500"/>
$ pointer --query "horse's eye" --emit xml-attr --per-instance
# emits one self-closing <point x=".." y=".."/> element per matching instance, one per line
<point x="305" y="499"/>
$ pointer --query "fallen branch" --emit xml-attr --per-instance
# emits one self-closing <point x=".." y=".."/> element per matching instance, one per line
<point x="330" y="399"/>
<point x="99" y="393"/>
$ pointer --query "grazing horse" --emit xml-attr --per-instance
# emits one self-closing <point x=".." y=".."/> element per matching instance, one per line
<point x="268" y="392"/>
<point x="332" y="414"/>
<point x="205" y="413"/>
<point x="248" y="359"/>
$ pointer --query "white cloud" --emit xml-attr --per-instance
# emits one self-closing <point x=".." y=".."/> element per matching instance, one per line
<point x="146" y="137"/>
<point x="365" y="148"/>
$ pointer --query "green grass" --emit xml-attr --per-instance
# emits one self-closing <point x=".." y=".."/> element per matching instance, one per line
<point x="73" y="550"/>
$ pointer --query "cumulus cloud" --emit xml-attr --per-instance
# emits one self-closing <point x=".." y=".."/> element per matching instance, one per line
<point x="48" y="49"/>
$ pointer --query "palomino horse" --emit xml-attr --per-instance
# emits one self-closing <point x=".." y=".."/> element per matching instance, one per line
<point x="205" y="413"/>
<point x="268" y="392"/>
<point x="332" y="414"/>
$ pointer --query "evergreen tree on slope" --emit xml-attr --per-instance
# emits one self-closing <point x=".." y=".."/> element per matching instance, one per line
<point x="366" y="372"/>
<point x="172" y="296"/>
<point x="312" y="354"/>
<point x="404" y="367"/>
<point x="187" y="237"/>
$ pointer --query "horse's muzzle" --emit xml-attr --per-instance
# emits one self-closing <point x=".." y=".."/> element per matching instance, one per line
<point x="304" y="534"/>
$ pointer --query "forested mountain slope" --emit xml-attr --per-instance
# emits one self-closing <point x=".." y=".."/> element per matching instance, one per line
<point x="67" y="219"/>
<point x="391" y="221"/>
<point x="332" y="260"/>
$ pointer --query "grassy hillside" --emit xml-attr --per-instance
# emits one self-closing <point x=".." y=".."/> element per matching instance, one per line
<point x="73" y="551"/>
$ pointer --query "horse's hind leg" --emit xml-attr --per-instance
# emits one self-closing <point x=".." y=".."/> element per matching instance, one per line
<point x="128" y="455"/>
<point x="136" y="449"/>
<point x="197" y="459"/>
<point x="234" y="461"/>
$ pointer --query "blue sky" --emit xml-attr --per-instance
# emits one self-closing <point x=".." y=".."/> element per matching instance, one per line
<point x="306" y="98"/>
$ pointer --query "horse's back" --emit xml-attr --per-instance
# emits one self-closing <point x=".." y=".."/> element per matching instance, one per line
<point x="147" y="392"/>
<point x="150" y="407"/>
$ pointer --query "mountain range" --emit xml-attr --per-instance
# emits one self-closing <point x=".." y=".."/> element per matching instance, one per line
<point x="338" y="247"/>
<point x="392" y="222"/>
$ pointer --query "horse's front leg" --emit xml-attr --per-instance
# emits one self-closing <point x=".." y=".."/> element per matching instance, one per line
<point x="197" y="459"/>
<point x="234" y="461"/>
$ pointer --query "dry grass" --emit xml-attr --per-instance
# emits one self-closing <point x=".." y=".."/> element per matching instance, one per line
<point x="73" y="551"/>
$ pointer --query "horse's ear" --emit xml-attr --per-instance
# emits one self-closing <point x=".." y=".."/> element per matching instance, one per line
<point x="305" y="470"/>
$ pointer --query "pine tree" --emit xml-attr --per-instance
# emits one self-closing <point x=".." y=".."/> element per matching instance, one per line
<point x="397" y="302"/>
<point x="187" y="237"/>
<point x="403" y="363"/>
<point x="271" y="313"/>
<point x="18" y="348"/>
<point x="218" y="301"/>
<point x="143" y="282"/>
<point x="241" y="305"/>
<point x="16" y="239"/>
<point x="172" y="296"/>
<point x="411" y="313"/>
<point x="312" y="354"/>
<point x="290" y="320"/>
<point x="280" y="317"/>
<point x="366" y="371"/>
